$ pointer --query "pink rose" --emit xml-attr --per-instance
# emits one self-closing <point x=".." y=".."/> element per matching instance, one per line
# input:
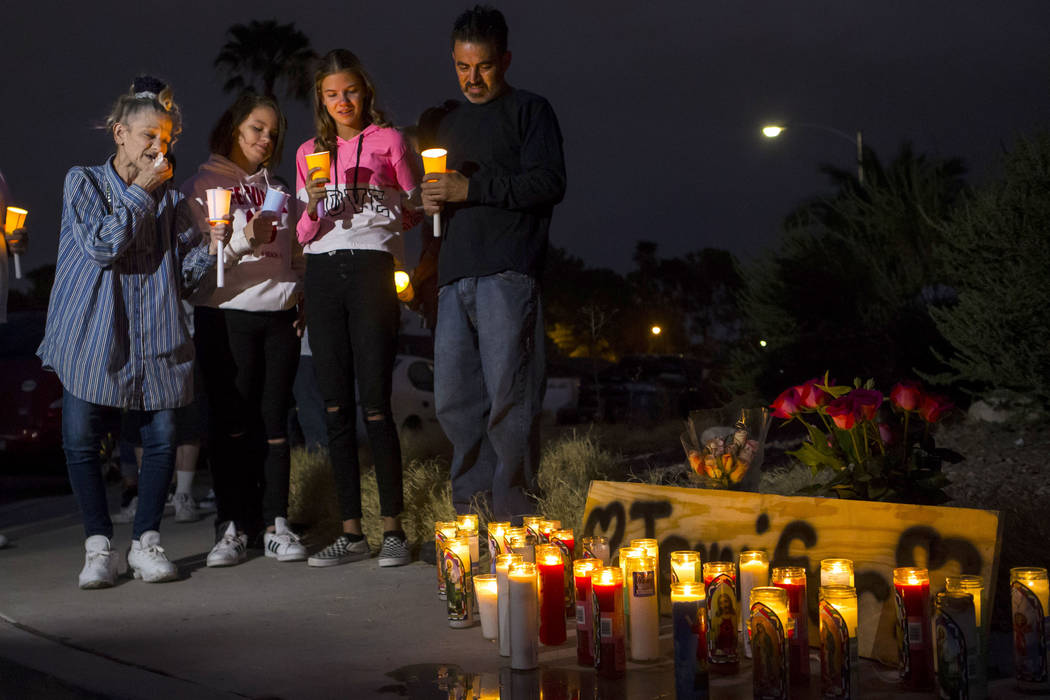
<point x="866" y="402"/>
<point x="933" y="407"/>
<point x="786" y="405"/>
<point x="843" y="412"/>
<point x="811" y="395"/>
<point x="906" y="395"/>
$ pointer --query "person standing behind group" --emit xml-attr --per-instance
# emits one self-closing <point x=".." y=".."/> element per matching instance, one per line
<point x="351" y="230"/>
<point x="128" y="251"/>
<point x="507" y="171"/>
<point x="247" y="335"/>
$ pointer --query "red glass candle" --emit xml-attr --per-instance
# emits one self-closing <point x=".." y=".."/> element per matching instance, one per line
<point x="793" y="580"/>
<point x="552" y="594"/>
<point x="567" y="543"/>
<point x="722" y="616"/>
<point x="582" y="570"/>
<point x="610" y="656"/>
<point x="914" y="644"/>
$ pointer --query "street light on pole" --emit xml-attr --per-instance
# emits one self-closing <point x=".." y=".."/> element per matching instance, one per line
<point x="771" y="131"/>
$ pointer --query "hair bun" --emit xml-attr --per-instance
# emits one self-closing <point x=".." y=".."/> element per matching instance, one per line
<point x="147" y="83"/>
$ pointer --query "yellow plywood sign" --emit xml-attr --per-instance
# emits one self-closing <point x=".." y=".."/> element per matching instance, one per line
<point x="798" y="531"/>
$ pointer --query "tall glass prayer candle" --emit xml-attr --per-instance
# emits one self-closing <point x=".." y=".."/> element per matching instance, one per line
<point x="651" y="549"/>
<point x="974" y="585"/>
<point x="690" y="643"/>
<point x="607" y="603"/>
<point x="836" y="572"/>
<point x="957" y="655"/>
<point x="552" y="594"/>
<point x="495" y="531"/>
<point x="468" y="526"/>
<point x="769" y="624"/>
<point x="685" y="567"/>
<point x="581" y="572"/>
<point x="839" y="659"/>
<point x="525" y="546"/>
<point x="1029" y="598"/>
<point x="444" y="530"/>
<point x="914" y="646"/>
<point x="722" y="616"/>
<point x="564" y="539"/>
<point x="622" y="555"/>
<point x="547" y="528"/>
<point x="645" y="613"/>
<point x="754" y="571"/>
<point x="503" y="564"/>
<point x="793" y="580"/>
<point x="509" y="534"/>
<point x="532" y="525"/>
<point x="485" y="588"/>
<point x="596" y="547"/>
<point x="459" y="589"/>
<point x="524" y="617"/>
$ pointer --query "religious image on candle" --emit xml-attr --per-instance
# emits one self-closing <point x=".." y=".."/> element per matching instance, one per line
<point x="955" y="639"/>
<point x="495" y="531"/>
<point x="839" y="659"/>
<point x="1029" y="594"/>
<point x="444" y="530"/>
<point x="767" y="625"/>
<point x="722" y="615"/>
<point x="459" y="591"/>
<point x="610" y="655"/>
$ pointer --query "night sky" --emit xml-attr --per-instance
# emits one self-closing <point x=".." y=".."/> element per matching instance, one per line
<point x="660" y="103"/>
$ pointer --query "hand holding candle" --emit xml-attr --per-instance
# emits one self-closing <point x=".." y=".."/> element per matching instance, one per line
<point x="434" y="161"/>
<point x="16" y="219"/>
<point x="218" y="210"/>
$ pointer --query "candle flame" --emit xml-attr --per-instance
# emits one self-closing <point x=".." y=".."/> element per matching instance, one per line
<point x="552" y="559"/>
<point x="607" y="578"/>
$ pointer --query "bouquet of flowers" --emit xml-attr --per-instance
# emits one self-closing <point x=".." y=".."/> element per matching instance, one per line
<point x="723" y="456"/>
<point x="877" y="450"/>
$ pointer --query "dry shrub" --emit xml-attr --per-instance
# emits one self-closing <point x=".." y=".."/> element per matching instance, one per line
<point x="567" y="467"/>
<point x="311" y="495"/>
<point x="428" y="497"/>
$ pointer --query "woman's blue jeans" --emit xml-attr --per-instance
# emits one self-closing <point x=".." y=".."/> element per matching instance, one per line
<point x="84" y="425"/>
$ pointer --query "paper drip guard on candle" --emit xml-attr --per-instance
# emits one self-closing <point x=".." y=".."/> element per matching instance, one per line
<point x="839" y="657"/>
<point x="434" y="161"/>
<point x="403" y="286"/>
<point x="524" y="617"/>
<point x="581" y="571"/>
<point x="754" y="571"/>
<point x="218" y="210"/>
<point x="15" y="219"/>
<point x="770" y="628"/>
<point x="503" y="564"/>
<point x="690" y="642"/>
<point x="275" y="201"/>
<point x="1029" y="598"/>
<point x="915" y="648"/>
<point x="322" y="160"/>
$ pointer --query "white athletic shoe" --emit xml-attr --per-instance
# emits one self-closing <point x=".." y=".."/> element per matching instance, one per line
<point x="100" y="563"/>
<point x="282" y="544"/>
<point x="185" y="509"/>
<point x="147" y="561"/>
<point x="231" y="549"/>
<point x="127" y="513"/>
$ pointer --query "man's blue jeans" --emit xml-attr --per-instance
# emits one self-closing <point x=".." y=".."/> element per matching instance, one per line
<point x="84" y="425"/>
<point x="489" y="380"/>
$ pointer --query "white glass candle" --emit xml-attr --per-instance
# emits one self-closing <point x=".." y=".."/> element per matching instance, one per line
<point x="645" y="614"/>
<point x="503" y="564"/>
<point x="685" y="567"/>
<point x="754" y="572"/>
<point x="485" y="587"/>
<point x="468" y="527"/>
<point x="524" y="617"/>
<point x="836" y="572"/>
<point x="596" y="547"/>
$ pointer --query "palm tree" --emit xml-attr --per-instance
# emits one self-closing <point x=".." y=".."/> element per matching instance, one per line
<point x="267" y="52"/>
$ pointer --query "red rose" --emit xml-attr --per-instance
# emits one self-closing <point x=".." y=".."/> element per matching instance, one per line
<point x="933" y="407"/>
<point x="906" y="395"/>
<point x="842" y="412"/>
<point x="786" y="405"/>
<point x="866" y="402"/>
<point x="811" y="395"/>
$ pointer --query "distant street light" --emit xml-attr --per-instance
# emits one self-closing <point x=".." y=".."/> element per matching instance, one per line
<point x="771" y="131"/>
<point x="656" y="330"/>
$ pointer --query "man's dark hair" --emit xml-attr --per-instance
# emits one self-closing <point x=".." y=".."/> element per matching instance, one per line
<point x="482" y="24"/>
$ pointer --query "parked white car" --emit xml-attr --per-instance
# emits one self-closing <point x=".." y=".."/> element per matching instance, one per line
<point x="411" y="396"/>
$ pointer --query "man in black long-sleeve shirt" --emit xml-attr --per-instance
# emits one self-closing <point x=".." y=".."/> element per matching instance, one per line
<point x="506" y="173"/>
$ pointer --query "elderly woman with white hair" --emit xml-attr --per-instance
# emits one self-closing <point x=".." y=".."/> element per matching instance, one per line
<point x="129" y="251"/>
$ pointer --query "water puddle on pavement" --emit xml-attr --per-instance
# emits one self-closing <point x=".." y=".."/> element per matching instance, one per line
<point x="450" y="682"/>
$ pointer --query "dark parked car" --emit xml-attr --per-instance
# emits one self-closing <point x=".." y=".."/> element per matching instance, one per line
<point x="30" y="398"/>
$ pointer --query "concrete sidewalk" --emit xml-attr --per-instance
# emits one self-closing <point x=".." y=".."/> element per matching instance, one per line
<point x="270" y="630"/>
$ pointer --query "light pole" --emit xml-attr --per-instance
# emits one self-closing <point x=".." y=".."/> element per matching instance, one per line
<point x="772" y="131"/>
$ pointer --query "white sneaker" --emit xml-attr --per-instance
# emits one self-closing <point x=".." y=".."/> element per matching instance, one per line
<point x="127" y="513"/>
<point x="100" y="563"/>
<point x="207" y="504"/>
<point x="185" y="509"/>
<point x="231" y="549"/>
<point x="147" y="561"/>
<point x="282" y="544"/>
